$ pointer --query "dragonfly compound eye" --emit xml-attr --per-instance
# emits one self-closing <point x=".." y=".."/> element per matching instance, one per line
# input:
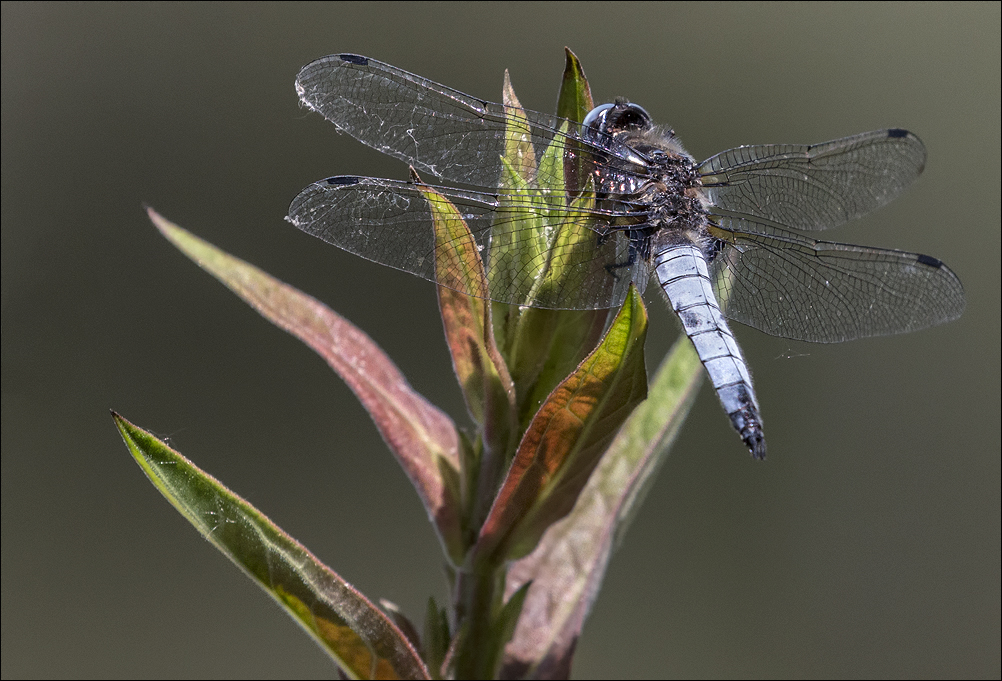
<point x="622" y="116"/>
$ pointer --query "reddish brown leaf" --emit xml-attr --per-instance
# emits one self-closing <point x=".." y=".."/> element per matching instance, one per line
<point x="568" y="436"/>
<point x="567" y="567"/>
<point x="482" y="373"/>
<point x="422" y="437"/>
<point x="468" y="329"/>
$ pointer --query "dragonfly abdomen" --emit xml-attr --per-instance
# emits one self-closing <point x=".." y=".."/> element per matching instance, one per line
<point x="682" y="272"/>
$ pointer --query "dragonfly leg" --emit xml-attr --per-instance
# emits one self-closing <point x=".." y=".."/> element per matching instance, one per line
<point x="640" y="247"/>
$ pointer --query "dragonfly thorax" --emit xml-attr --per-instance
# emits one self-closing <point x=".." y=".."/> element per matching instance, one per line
<point x="671" y="195"/>
<point x="667" y="196"/>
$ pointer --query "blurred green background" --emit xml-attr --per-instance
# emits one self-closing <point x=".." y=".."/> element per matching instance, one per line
<point x="867" y="545"/>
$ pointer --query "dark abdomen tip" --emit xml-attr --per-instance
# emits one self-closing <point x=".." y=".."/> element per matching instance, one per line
<point x="749" y="426"/>
<point x="755" y="439"/>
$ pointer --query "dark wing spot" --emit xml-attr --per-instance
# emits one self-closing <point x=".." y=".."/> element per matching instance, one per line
<point x="897" y="132"/>
<point x="354" y="59"/>
<point x="343" y="180"/>
<point x="930" y="261"/>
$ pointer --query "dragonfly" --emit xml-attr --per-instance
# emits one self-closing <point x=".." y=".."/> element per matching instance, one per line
<point x="721" y="236"/>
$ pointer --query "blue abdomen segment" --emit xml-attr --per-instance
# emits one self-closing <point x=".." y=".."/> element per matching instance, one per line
<point x="683" y="275"/>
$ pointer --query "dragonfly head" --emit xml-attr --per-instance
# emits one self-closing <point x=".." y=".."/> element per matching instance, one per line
<point x="618" y="117"/>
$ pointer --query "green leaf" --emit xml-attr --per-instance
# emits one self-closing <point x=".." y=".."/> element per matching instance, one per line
<point x="567" y="567"/>
<point x="519" y="245"/>
<point x="422" y="437"/>
<point x="362" y="640"/>
<point x="436" y="638"/>
<point x="519" y="151"/>
<point x="574" y="103"/>
<point x="552" y="343"/>
<point x="543" y="345"/>
<point x="567" y="437"/>
<point x="548" y="344"/>
<point x="510" y="613"/>
<point x="575" y="100"/>
<point x="504" y="626"/>
<point x="482" y="638"/>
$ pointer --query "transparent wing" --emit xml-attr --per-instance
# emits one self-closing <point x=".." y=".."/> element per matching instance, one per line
<point x="818" y="186"/>
<point x="535" y="253"/>
<point x="437" y="129"/>
<point x="793" y="287"/>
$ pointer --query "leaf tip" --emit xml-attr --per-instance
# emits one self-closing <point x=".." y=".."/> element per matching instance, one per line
<point x="508" y="97"/>
<point x="155" y="217"/>
<point x="121" y="422"/>
<point x="571" y="58"/>
<point x="163" y="225"/>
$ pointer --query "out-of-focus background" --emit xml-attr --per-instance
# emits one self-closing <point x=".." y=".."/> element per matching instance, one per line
<point x="867" y="545"/>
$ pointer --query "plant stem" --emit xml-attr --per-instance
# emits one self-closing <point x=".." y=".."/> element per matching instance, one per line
<point x="479" y="591"/>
